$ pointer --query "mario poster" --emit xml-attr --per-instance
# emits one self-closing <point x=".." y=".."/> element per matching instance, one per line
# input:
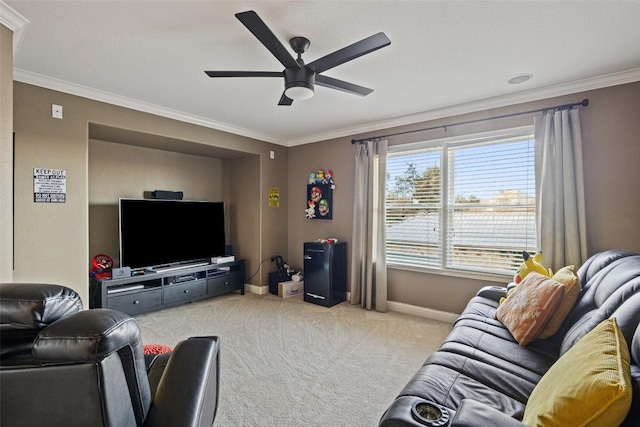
<point x="319" y="201"/>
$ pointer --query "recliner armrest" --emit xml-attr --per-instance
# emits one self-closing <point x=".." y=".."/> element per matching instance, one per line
<point x="493" y="292"/>
<point x="185" y="389"/>
<point x="472" y="413"/>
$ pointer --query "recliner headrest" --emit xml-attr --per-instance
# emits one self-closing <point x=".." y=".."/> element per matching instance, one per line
<point x="26" y="308"/>
<point x="612" y="289"/>
<point x="34" y="306"/>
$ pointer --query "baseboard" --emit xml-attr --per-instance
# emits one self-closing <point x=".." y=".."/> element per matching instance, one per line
<point x="398" y="307"/>
<point x="428" y="313"/>
<point x="260" y="290"/>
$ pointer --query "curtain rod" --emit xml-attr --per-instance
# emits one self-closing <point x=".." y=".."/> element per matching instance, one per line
<point x="583" y="103"/>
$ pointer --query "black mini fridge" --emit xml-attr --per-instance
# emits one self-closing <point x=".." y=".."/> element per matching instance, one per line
<point x="325" y="273"/>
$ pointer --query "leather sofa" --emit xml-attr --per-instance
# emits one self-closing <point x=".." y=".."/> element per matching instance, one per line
<point x="61" y="365"/>
<point x="482" y="377"/>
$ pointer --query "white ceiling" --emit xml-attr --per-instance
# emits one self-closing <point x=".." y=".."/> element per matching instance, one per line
<point x="445" y="57"/>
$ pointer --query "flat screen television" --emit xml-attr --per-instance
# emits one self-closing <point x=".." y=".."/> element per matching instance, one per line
<point x="166" y="233"/>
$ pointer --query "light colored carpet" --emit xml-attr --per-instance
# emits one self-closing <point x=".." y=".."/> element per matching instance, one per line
<point x="285" y="362"/>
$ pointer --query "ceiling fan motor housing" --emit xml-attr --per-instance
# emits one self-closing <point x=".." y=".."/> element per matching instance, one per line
<point x="302" y="76"/>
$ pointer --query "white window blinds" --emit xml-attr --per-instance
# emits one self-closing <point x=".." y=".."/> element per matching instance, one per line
<point x="465" y="204"/>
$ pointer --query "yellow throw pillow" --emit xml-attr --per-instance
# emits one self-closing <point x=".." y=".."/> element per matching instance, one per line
<point x="527" y="310"/>
<point x="571" y="283"/>
<point x="589" y="386"/>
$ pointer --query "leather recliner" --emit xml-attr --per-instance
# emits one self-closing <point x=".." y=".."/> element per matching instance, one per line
<point x="61" y="365"/>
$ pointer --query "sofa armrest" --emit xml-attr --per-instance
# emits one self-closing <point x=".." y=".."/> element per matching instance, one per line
<point x="472" y="413"/>
<point x="492" y="292"/>
<point x="185" y="389"/>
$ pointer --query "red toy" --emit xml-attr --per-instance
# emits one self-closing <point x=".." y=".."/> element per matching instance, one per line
<point x="101" y="266"/>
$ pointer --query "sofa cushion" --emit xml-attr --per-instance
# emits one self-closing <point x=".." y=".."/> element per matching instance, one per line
<point x="568" y="278"/>
<point x="480" y="360"/>
<point x="530" y="306"/>
<point x="590" y="385"/>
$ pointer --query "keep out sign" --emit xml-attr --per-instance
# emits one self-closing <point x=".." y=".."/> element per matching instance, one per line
<point x="49" y="185"/>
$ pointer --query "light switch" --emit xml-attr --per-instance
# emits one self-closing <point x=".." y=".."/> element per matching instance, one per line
<point x="272" y="154"/>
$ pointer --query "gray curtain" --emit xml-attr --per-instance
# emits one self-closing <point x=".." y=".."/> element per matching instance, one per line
<point x="368" y="261"/>
<point x="560" y="189"/>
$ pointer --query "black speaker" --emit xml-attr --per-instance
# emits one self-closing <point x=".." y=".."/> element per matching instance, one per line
<point x="228" y="250"/>
<point x="167" y="195"/>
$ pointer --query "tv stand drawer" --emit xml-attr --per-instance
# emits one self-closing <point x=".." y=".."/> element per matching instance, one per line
<point x="185" y="291"/>
<point x="136" y="302"/>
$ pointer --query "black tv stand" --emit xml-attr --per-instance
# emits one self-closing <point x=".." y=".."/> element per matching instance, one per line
<point x="154" y="290"/>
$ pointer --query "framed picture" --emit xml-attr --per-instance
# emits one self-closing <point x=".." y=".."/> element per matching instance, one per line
<point x="319" y="201"/>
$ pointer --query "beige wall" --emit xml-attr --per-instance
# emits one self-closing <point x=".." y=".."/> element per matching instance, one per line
<point x="120" y="170"/>
<point x="52" y="240"/>
<point x="6" y="154"/>
<point x="611" y="144"/>
<point x="338" y="156"/>
<point x="245" y="177"/>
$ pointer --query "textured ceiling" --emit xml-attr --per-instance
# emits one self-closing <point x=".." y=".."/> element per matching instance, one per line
<point x="445" y="57"/>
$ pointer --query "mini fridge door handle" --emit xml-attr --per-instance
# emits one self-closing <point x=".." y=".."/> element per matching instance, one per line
<point x="307" y="257"/>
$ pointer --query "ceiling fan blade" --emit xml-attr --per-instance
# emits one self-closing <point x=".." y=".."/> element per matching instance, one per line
<point x="285" y="100"/>
<point x="350" y="52"/>
<point x="244" y="73"/>
<point x="256" y="25"/>
<point x="342" y="85"/>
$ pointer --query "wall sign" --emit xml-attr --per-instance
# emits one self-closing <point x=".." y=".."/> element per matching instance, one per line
<point x="274" y="197"/>
<point x="49" y="185"/>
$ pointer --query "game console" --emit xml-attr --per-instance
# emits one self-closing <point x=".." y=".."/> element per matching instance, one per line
<point x="222" y="259"/>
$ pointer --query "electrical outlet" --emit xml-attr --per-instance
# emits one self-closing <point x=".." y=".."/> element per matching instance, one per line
<point x="56" y="111"/>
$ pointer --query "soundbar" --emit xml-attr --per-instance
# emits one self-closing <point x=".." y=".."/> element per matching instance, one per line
<point x="167" y="195"/>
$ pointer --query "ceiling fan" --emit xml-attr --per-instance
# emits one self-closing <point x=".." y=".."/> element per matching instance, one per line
<point x="300" y="78"/>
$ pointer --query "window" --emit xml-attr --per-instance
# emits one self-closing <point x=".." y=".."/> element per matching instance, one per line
<point x="462" y="204"/>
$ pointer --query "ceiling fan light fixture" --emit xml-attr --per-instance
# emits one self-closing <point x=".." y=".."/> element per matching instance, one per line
<point x="299" y="92"/>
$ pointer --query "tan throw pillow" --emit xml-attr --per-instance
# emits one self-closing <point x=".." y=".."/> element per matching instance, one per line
<point x="571" y="283"/>
<point x="589" y="386"/>
<point x="530" y="306"/>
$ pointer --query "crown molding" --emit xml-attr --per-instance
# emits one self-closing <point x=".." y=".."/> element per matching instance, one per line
<point x="584" y="85"/>
<point x="134" y="104"/>
<point x="15" y="22"/>
<point x="577" y="86"/>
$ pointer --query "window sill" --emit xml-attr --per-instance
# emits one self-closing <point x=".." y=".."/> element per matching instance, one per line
<point x="497" y="278"/>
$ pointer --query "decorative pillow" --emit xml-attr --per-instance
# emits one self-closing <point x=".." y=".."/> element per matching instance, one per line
<point x="571" y="283"/>
<point x="156" y="349"/>
<point x="527" y="310"/>
<point x="589" y="386"/>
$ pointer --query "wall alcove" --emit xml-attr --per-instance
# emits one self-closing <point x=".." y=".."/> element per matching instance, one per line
<point x="128" y="163"/>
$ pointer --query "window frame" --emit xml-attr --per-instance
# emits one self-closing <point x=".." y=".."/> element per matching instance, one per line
<point x="444" y="204"/>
